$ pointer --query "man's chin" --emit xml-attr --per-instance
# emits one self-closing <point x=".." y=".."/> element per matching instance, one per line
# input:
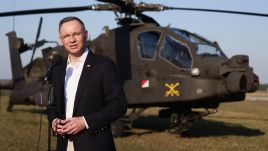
<point x="74" y="51"/>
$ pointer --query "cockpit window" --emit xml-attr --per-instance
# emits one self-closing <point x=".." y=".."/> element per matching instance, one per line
<point x="147" y="44"/>
<point x="176" y="53"/>
<point x="203" y="46"/>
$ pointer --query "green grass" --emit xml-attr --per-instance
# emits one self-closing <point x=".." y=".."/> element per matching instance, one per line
<point x="238" y="126"/>
<point x="19" y="129"/>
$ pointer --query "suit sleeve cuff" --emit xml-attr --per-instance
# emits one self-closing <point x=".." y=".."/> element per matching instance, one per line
<point x="87" y="127"/>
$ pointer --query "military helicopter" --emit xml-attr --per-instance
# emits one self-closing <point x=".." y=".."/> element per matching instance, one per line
<point x="165" y="67"/>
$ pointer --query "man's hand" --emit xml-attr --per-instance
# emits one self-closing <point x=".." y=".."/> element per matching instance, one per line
<point x="54" y="124"/>
<point x="57" y="126"/>
<point x="72" y="125"/>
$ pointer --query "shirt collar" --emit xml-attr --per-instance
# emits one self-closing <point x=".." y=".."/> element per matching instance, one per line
<point x="80" y="60"/>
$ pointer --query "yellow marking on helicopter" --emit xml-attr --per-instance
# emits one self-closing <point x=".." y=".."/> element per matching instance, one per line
<point x="172" y="91"/>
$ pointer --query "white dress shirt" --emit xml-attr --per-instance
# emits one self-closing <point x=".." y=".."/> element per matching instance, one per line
<point x="72" y="76"/>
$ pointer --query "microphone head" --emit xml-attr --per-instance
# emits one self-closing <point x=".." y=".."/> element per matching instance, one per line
<point x="56" y="59"/>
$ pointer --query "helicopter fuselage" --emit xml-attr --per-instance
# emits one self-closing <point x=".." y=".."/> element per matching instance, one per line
<point x="162" y="66"/>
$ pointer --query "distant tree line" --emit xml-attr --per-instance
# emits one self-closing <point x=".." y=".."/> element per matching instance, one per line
<point x="263" y="87"/>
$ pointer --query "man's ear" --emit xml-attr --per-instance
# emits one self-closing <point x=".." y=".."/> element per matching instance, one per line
<point x="87" y="35"/>
<point x="60" y="40"/>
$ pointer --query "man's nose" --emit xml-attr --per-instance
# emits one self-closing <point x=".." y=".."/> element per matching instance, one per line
<point x="72" y="38"/>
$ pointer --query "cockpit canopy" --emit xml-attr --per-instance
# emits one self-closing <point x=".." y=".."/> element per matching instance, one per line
<point x="203" y="46"/>
<point x="173" y="50"/>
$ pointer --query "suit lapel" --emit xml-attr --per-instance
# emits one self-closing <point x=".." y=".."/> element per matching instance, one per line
<point x="61" y="78"/>
<point x="85" y="75"/>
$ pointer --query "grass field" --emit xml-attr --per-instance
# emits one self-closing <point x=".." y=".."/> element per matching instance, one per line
<point x="238" y="126"/>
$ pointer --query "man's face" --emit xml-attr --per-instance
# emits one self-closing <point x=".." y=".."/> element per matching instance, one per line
<point x="73" y="37"/>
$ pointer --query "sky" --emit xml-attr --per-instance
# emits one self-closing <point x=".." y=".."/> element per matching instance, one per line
<point x="236" y="34"/>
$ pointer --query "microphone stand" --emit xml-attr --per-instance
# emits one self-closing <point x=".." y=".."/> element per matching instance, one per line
<point x="50" y="107"/>
<point x="51" y="102"/>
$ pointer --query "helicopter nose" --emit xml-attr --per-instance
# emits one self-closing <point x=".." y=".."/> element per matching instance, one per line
<point x="255" y="84"/>
<point x="240" y="78"/>
<point x="242" y="82"/>
<point x="236" y="82"/>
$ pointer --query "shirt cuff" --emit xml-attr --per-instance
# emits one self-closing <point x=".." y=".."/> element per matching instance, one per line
<point x="85" y="122"/>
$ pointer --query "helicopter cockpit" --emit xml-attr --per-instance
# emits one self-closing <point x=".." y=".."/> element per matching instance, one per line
<point x="176" y="52"/>
<point x="147" y="44"/>
<point x="172" y="50"/>
<point x="203" y="46"/>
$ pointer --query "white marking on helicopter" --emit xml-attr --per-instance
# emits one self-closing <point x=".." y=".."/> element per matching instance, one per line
<point x="145" y="83"/>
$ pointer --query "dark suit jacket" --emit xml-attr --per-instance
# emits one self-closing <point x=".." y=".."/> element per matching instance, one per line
<point x="99" y="98"/>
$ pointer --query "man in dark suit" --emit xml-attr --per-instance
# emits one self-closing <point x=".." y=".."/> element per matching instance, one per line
<point x="88" y="94"/>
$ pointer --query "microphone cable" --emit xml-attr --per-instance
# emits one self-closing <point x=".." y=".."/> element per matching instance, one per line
<point x="40" y="122"/>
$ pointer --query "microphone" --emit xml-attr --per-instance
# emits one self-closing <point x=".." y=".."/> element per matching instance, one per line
<point x="56" y="61"/>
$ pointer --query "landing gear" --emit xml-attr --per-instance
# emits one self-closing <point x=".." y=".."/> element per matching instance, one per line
<point x="182" y="119"/>
<point x="181" y="122"/>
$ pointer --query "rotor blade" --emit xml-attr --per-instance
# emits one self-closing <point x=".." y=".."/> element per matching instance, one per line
<point x="214" y="10"/>
<point x="35" y="44"/>
<point x="117" y="2"/>
<point x="39" y="29"/>
<point x="48" y="10"/>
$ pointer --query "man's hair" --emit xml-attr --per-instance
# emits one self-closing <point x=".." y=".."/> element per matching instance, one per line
<point x="71" y="18"/>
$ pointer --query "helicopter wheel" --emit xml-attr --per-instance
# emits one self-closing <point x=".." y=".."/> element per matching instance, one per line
<point x="180" y="129"/>
<point x="181" y="122"/>
<point x="117" y="128"/>
<point x="178" y="123"/>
